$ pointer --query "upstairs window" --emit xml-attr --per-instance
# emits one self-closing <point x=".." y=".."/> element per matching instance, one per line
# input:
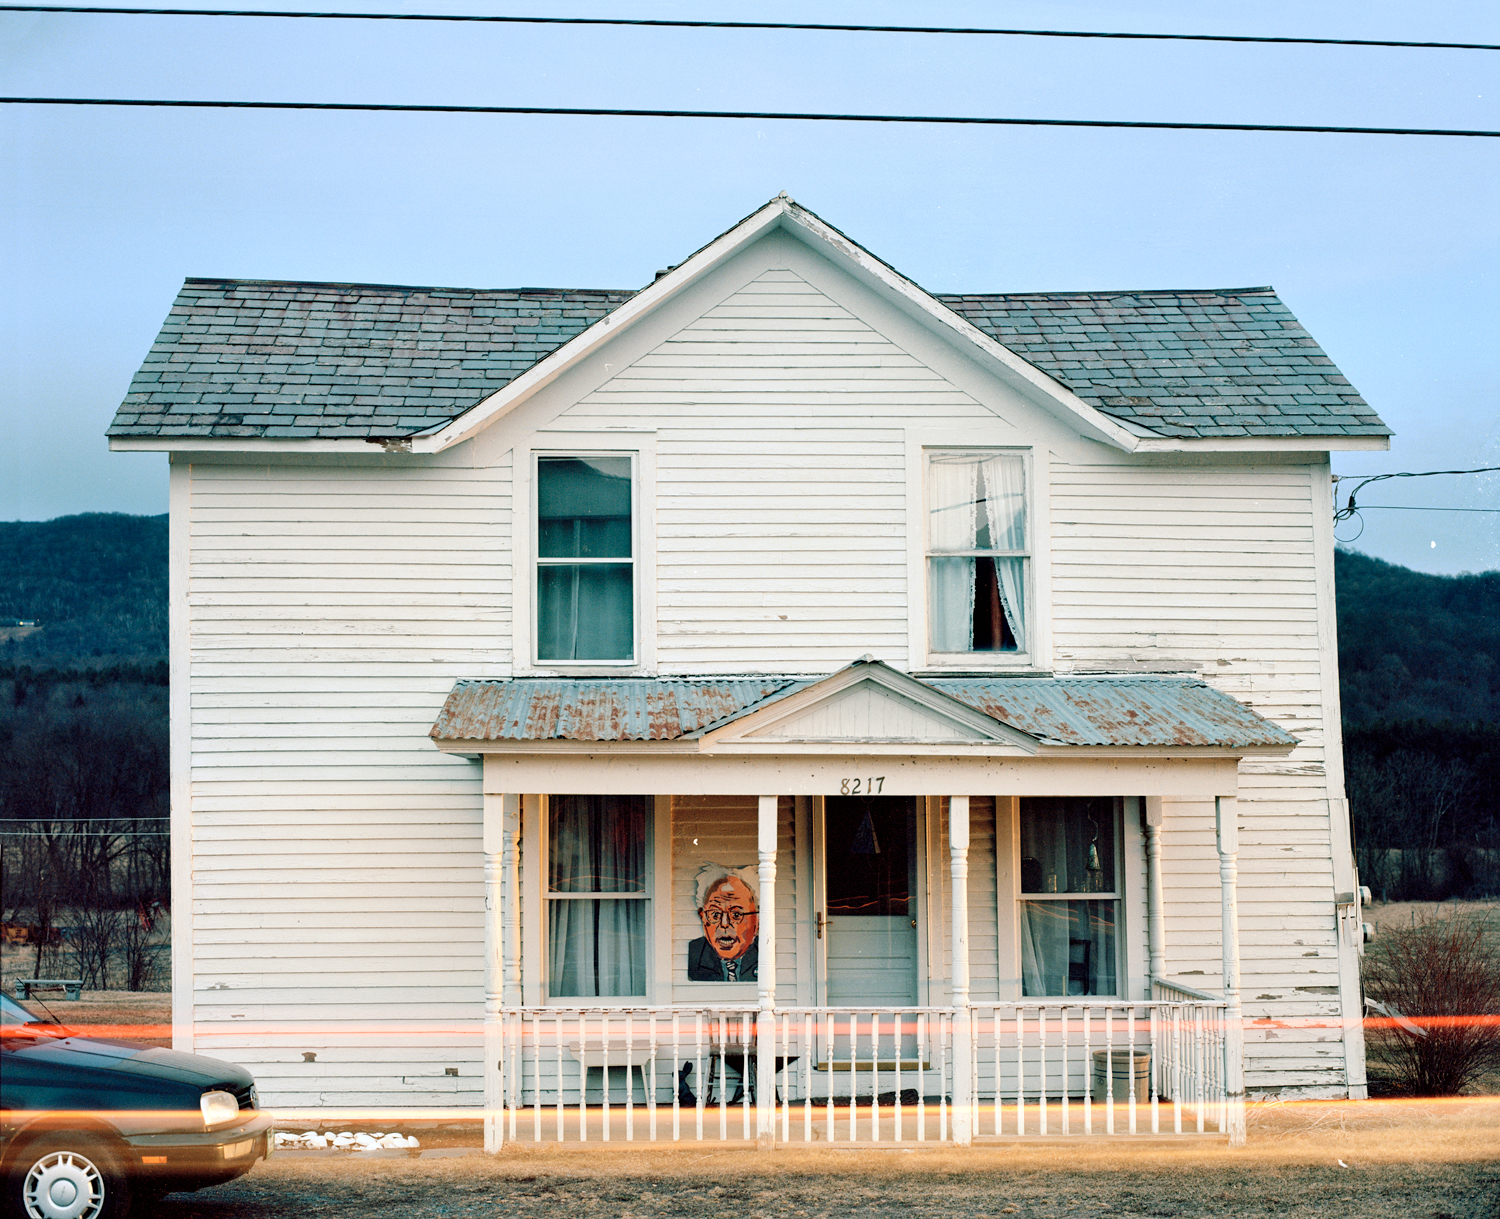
<point x="585" y="567"/>
<point x="977" y="552"/>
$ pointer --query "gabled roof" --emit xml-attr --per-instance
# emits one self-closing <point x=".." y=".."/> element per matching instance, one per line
<point x="1150" y="712"/>
<point x="253" y="357"/>
<point x="275" y="360"/>
<point x="1230" y="362"/>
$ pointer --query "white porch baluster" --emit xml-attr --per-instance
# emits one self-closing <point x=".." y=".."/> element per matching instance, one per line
<point x="963" y="1042"/>
<point x="765" y="1029"/>
<point x="1234" y="1028"/>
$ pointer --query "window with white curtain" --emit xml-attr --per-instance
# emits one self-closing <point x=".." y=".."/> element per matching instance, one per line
<point x="977" y="552"/>
<point x="598" y="902"/>
<point x="585" y="558"/>
<point x="1069" y="904"/>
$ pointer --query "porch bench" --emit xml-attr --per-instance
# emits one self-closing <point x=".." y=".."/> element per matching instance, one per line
<point x="638" y="1054"/>
<point x="72" y="988"/>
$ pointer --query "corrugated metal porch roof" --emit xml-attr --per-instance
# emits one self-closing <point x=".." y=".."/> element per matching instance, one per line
<point x="1126" y="710"/>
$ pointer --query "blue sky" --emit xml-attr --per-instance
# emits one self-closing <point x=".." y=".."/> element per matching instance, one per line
<point x="1387" y="248"/>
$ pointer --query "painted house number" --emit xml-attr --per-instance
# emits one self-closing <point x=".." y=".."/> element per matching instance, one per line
<point x="862" y="787"/>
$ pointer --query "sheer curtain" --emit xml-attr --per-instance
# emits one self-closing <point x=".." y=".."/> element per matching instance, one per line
<point x="1068" y="944"/>
<point x="1005" y="506"/>
<point x="952" y="525"/>
<point x="958" y="484"/>
<point x="597" y="946"/>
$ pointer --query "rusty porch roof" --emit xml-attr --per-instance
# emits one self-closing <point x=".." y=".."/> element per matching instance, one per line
<point x="1126" y="710"/>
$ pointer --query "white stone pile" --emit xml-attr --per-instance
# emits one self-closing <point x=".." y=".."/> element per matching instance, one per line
<point x="347" y="1140"/>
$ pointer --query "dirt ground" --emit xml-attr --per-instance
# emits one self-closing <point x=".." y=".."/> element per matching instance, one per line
<point x="1423" y="1159"/>
<point x="1323" y="1160"/>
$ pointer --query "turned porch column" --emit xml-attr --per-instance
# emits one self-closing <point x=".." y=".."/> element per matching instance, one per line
<point x="963" y="1063"/>
<point x="1155" y="927"/>
<point x="765" y="1025"/>
<point x="502" y="977"/>
<point x="1234" y="1025"/>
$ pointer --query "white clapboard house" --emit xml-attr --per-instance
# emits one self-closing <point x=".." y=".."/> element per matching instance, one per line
<point x="779" y="702"/>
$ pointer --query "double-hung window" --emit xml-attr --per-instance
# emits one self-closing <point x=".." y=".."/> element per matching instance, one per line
<point x="585" y="559"/>
<point x="598" y="898"/>
<point x="977" y="553"/>
<point x="1069" y="905"/>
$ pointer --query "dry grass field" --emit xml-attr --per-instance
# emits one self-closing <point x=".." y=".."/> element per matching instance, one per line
<point x="1387" y="1159"/>
<point x="1374" y="1160"/>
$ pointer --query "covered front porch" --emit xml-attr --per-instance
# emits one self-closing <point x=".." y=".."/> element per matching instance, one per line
<point x="845" y="956"/>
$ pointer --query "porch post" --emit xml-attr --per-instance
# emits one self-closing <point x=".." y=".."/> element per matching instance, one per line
<point x="963" y="1065"/>
<point x="1155" y="929"/>
<point x="510" y="863"/>
<point x="1234" y="1028"/>
<point x="496" y="808"/>
<point x="765" y="1025"/>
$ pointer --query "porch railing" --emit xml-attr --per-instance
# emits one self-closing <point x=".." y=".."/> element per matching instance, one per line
<point x="860" y="1075"/>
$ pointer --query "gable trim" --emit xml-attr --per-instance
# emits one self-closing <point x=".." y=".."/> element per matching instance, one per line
<point x="748" y="730"/>
<point x="855" y="260"/>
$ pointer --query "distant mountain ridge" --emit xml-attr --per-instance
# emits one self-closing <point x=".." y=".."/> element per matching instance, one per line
<point x="1414" y="646"/>
<point x="95" y="583"/>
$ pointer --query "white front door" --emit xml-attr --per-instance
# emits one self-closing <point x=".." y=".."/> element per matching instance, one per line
<point x="868" y="901"/>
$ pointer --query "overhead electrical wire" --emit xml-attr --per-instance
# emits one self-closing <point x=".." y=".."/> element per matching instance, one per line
<point x="748" y="25"/>
<point x="763" y="115"/>
<point x="1350" y="510"/>
<point x="1418" y="508"/>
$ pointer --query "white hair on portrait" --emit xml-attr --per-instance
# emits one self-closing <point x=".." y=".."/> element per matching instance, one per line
<point x="711" y="874"/>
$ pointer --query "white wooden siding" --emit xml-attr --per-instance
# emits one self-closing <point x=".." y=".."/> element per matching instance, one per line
<point x="1210" y="569"/>
<point x="333" y="606"/>
<point x="781" y="505"/>
<point x="336" y="869"/>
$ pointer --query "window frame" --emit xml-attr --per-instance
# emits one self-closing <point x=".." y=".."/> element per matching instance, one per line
<point x="639" y="446"/>
<point x="920" y="608"/>
<point x="1119" y="895"/>
<point x="648" y="893"/>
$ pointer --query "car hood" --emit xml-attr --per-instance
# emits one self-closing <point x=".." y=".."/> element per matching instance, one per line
<point x="154" y="1063"/>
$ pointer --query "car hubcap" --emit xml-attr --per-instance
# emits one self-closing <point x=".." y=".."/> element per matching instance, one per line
<point x="64" y="1185"/>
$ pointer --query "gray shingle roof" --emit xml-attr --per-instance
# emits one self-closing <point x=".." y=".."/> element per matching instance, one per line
<point x="265" y="358"/>
<point x="1231" y="362"/>
<point x="276" y="359"/>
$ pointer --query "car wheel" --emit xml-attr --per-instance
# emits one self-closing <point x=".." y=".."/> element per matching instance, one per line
<point x="69" y="1177"/>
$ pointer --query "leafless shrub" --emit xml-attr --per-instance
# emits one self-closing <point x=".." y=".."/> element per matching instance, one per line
<point x="1443" y="975"/>
<point x="138" y="948"/>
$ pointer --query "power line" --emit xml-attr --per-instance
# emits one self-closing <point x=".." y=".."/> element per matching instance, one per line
<point x="765" y="115"/>
<point x="1349" y="509"/>
<point x="1418" y="508"/>
<point x="749" y="25"/>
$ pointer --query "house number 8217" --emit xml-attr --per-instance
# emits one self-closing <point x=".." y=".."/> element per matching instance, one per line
<point x="862" y="787"/>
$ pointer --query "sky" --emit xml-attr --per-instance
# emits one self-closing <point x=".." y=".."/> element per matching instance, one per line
<point x="1387" y="248"/>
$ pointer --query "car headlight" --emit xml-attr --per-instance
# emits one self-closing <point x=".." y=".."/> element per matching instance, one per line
<point x="218" y="1108"/>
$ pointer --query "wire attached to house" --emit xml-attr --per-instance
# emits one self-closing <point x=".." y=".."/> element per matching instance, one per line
<point x="830" y="27"/>
<point x="1351" y="511"/>
<point x="760" y="115"/>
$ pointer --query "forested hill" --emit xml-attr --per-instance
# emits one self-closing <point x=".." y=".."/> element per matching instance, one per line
<point x="96" y="584"/>
<point x="1414" y="646"/>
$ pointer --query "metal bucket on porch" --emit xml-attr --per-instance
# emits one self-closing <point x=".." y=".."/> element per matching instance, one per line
<point x="1119" y="1063"/>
